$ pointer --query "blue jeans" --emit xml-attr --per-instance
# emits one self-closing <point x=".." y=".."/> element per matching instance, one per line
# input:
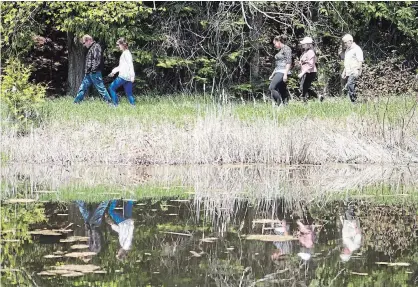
<point x="127" y="86"/>
<point x="92" y="79"/>
<point x="117" y="216"/>
<point x="94" y="220"/>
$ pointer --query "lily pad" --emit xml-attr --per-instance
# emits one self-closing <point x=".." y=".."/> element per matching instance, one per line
<point x="393" y="263"/>
<point x="270" y="238"/>
<point x="80" y="254"/>
<point x="46" y="273"/>
<point x="46" y="232"/>
<point x="399" y="264"/>
<point x="358" y="273"/>
<point x="75" y="239"/>
<point x="209" y="239"/>
<point x="20" y="200"/>
<point x="79" y="246"/>
<point x="73" y="274"/>
<point x="84" y="268"/>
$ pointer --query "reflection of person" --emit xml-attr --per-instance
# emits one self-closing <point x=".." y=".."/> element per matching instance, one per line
<point x="126" y="73"/>
<point x="282" y="247"/>
<point x="278" y="78"/>
<point x="353" y="60"/>
<point x="93" y="70"/>
<point x="351" y="234"/>
<point x="123" y="224"/>
<point x="92" y="222"/>
<point x="308" y="67"/>
<point x="306" y="238"/>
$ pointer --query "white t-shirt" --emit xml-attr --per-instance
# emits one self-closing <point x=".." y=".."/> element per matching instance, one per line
<point x="351" y="235"/>
<point x="353" y="59"/>
<point x="126" y="233"/>
<point x="126" y="67"/>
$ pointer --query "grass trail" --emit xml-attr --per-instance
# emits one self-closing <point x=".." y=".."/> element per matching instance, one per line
<point x="182" y="109"/>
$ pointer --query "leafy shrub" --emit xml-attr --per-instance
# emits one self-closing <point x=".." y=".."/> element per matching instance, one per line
<point x="22" y="99"/>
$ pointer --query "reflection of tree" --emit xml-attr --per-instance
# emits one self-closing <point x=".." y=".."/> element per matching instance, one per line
<point x="15" y="221"/>
<point x="389" y="229"/>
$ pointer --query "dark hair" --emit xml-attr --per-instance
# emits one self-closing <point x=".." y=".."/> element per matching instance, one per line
<point x="281" y="38"/>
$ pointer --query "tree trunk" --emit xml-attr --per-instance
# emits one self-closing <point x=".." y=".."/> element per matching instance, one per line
<point x="76" y="59"/>
<point x="256" y="22"/>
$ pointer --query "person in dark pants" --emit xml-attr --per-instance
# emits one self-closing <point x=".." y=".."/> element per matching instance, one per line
<point x="353" y="60"/>
<point x="92" y="222"/>
<point x="123" y="225"/>
<point x="93" y="70"/>
<point x="308" y="67"/>
<point x="279" y="76"/>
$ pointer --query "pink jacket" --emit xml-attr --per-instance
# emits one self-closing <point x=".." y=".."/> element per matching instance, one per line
<point x="308" y="61"/>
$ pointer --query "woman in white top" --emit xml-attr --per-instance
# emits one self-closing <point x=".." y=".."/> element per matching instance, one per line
<point x="126" y="72"/>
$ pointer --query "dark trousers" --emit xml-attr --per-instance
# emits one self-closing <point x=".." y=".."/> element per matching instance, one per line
<point x="278" y="89"/>
<point x="351" y="86"/>
<point x="306" y="83"/>
<point x="92" y="223"/>
<point x="92" y="219"/>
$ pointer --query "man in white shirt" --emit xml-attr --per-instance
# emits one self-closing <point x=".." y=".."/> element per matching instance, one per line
<point x="353" y="60"/>
<point x="123" y="225"/>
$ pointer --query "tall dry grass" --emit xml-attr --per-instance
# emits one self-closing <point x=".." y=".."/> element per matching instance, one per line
<point x="383" y="132"/>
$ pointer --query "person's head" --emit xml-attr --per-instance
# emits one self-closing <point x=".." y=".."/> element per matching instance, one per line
<point x="307" y="43"/>
<point x="122" y="254"/>
<point x="304" y="256"/>
<point x="122" y="44"/>
<point x="279" y="41"/>
<point x="345" y="255"/>
<point x="347" y="40"/>
<point x="276" y="255"/>
<point x="87" y="41"/>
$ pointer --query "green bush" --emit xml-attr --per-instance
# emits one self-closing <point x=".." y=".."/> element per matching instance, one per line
<point x="22" y="99"/>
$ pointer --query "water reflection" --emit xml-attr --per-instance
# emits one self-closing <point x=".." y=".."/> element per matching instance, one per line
<point x="92" y="222"/>
<point x="351" y="234"/>
<point x="123" y="224"/>
<point x="168" y="242"/>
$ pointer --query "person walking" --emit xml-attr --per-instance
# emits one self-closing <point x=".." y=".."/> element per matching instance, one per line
<point x="308" y="67"/>
<point x="353" y="60"/>
<point x="126" y="72"/>
<point x="93" y="70"/>
<point x="279" y="76"/>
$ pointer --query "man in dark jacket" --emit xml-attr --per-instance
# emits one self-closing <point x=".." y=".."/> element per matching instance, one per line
<point x="93" y="70"/>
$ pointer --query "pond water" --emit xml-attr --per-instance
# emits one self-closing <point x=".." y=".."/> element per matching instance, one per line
<point x="209" y="226"/>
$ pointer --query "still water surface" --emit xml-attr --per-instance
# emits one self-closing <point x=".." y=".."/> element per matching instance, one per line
<point x="219" y="230"/>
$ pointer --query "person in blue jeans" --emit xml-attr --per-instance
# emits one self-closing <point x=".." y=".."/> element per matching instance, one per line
<point x="123" y="224"/>
<point x="92" y="222"/>
<point x="92" y="70"/>
<point x="126" y="72"/>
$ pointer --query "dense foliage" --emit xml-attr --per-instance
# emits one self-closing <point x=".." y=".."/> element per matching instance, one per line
<point x="212" y="46"/>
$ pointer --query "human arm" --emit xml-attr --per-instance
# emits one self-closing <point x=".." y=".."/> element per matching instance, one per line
<point x="307" y="62"/>
<point x="130" y="63"/>
<point x="288" y="59"/>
